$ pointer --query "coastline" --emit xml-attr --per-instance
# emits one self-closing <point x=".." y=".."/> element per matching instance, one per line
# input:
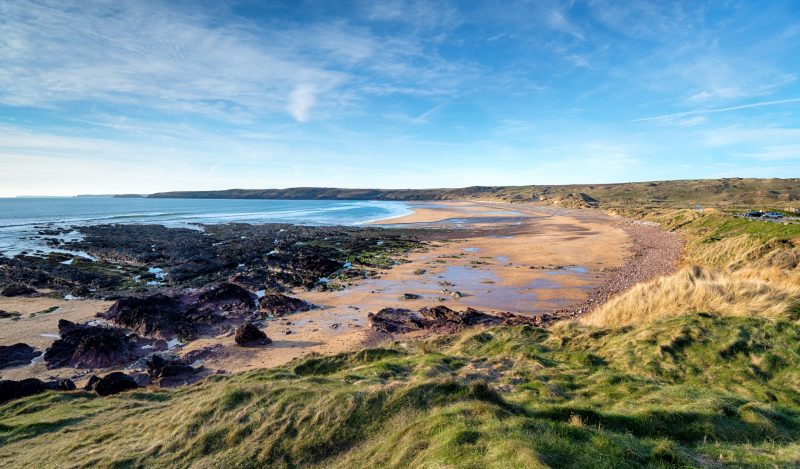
<point x="524" y="259"/>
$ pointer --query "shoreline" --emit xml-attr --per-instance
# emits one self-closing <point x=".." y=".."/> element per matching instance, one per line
<point x="522" y="258"/>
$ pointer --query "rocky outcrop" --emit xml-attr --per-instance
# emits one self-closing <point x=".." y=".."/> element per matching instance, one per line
<point x="10" y="390"/>
<point x="171" y="371"/>
<point x="249" y="335"/>
<point x="443" y="319"/>
<point x="395" y="321"/>
<point x="84" y="346"/>
<point x="227" y="293"/>
<point x="184" y="315"/>
<point x="17" y="355"/>
<point x="17" y="289"/>
<point x="151" y="315"/>
<point x="114" y="383"/>
<point x="277" y="304"/>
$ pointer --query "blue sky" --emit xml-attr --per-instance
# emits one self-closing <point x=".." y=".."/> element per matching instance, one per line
<point x="111" y="97"/>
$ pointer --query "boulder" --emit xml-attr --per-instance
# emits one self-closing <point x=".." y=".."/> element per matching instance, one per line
<point x="277" y="304"/>
<point x="142" y="379"/>
<point x="10" y="390"/>
<point x="228" y="293"/>
<point x="84" y="346"/>
<point x="17" y="355"/>
<point x="114" y="383"/>
<point x="91" y="383"/>
<point x="162" y="367"/>
<point x="151" y="315"/>
<point x="17" y="289"/>
<point x="185" y="315"/>
<point x="469" y="317"/>
<point x="395" y="321"/>
<point x="249" y="335"/>
<point x="442" y="319"/>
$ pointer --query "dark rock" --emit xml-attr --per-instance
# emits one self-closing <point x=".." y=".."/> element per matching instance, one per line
<point x="114" y="383"/>
<point x="83" y="346"/>
<point x="228" y="293"/>
<point x="468" y="317"/>
<point x="252" y="279"/>
<point x="440" y="313"/>
<point x="249" y="335"/>
<point x="10" y="390"/>
<point x="66" y="385"/>
<point x="410" y="296"/>
<point x="91" y="383"/>
<point x="182" y="315"/>
<point x="304" y="268"/>
<point x="17" y="289"/>
<point x="152" y="315"/>
<point x="162" y="367"/>
<point x="395" y="321"/>
<point x="17" y="355"/>
<point x="277" y="304"/>
<point x="142" y="379"/>
<point x="442" y="319"/>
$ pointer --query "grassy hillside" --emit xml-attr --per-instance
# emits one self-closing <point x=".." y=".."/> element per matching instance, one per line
<point x="701" y="369"/>
<point x="689" y="391"/>
<point x="732" y="193"/>
<point x="735" y="267"/>
<point x="722" y="241"/>
<point x="749" y="292"/>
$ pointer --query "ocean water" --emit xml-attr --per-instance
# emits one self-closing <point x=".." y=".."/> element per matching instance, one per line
<point x="22" y="218"/>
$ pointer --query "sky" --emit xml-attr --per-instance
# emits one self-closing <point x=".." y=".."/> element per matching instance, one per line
<point x="141" y="96"/>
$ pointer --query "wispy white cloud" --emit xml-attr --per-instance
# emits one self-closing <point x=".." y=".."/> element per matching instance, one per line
<point x="677" y="115"/>
<point x="558" y="20"/>
<point x="158" y="56"/>
<point x="301" y="100"/>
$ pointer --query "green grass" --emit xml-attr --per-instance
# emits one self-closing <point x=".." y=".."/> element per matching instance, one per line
<point x="690" y="391"/>
<point x="723" y="241"/>
<point x="718" y="227"/>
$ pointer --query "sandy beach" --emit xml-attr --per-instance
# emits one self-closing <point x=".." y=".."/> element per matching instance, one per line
<point x="513" y="258"/>
<point x="517" y="258"/>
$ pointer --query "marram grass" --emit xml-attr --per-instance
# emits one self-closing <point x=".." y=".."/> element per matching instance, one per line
<point x="695" y="390"/>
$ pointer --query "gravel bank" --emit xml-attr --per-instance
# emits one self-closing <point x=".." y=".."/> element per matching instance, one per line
<point x="655" y="253"/>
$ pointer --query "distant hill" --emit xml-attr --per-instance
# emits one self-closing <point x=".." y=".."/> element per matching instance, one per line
<point x="720" y="193"/>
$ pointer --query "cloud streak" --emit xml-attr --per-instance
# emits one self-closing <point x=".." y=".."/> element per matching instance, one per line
<point x="678" y="115"/>
<point x="148" y="55"/>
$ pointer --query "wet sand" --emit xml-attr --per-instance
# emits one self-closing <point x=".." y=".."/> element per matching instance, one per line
<point x="571" y="253"/>
<point x="517" y="258"/>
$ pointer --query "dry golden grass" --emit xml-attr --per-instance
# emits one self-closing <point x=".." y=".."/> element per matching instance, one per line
<point x="746" y="251"/>
<point x="769" y="292"/>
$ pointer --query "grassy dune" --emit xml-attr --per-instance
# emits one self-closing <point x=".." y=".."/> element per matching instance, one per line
<point x="693" y="390"/>
<point x="770" y="293"/>
<point x="722" y="241"/>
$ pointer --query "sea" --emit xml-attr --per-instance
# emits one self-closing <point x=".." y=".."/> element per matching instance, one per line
<point x="22" y="218"/>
